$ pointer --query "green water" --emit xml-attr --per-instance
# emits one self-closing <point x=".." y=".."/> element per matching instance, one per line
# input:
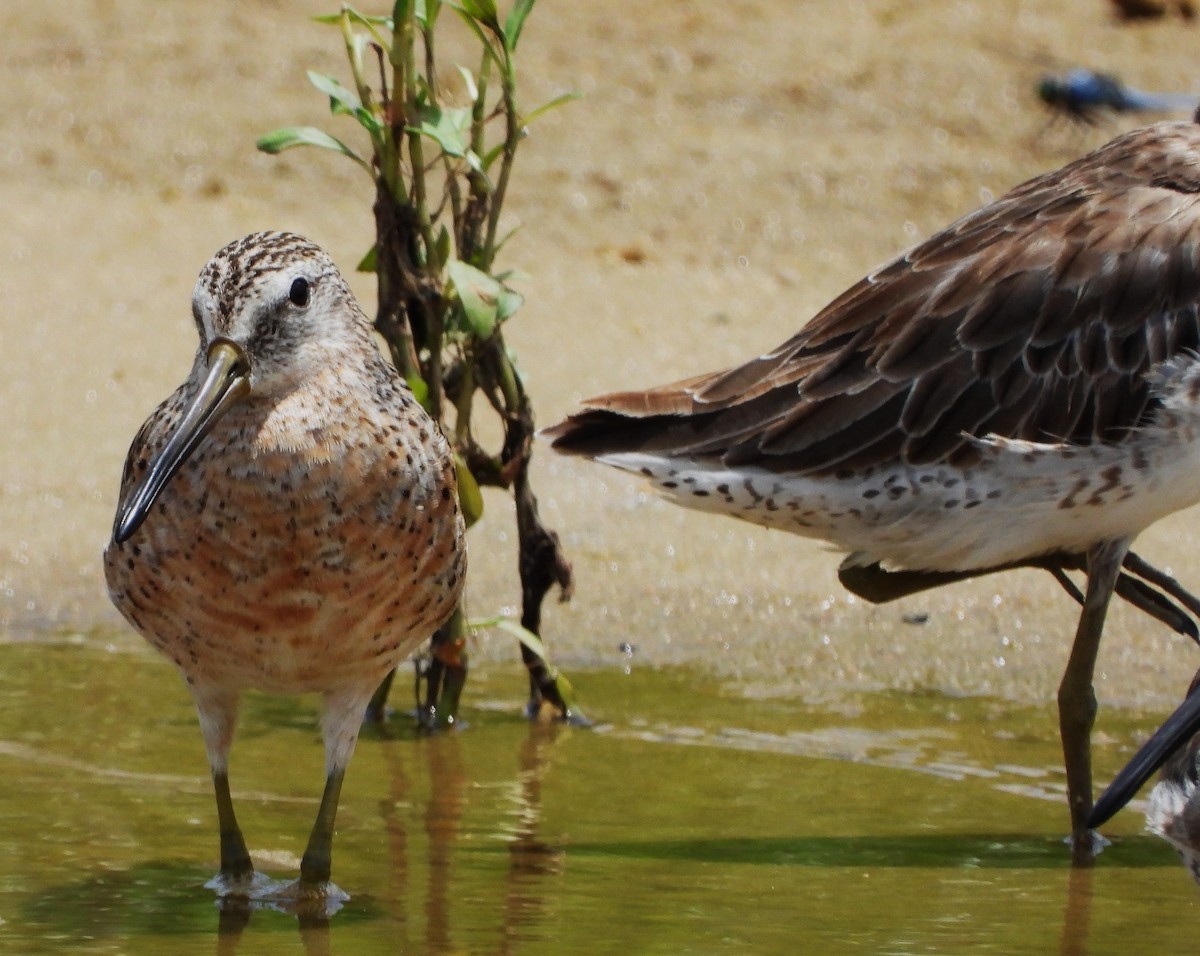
<point x="690" y="819"/>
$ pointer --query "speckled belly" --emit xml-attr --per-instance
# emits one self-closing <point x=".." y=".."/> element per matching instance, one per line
<point x="291" y="576"/>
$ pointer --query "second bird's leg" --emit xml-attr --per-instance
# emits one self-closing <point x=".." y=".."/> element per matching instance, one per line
<point x="1077" y="698"/>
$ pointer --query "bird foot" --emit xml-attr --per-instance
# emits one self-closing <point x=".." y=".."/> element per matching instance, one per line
<point x="1098" y="843"/>
<point x="249" y="885"/>
<point x="305" y="898"/>
<point x="299" y="897"/>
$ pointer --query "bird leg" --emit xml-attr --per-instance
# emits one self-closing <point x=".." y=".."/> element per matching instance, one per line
<point x="217" y="710"/>
<point x="1164" y="581"/>
<point x="1076" y="697"/>
<point x="235" y="858"/>
<point x="316" y="863"/>
<point x="1142" y="594"/>
<point x="1067" y="584"/>
<point x="1150" y="591"/>
<point x="1145" y="597"/>
<point x="340" y="723"/>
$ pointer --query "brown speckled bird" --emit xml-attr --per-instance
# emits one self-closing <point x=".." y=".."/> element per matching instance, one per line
<point x="288" y="518"/>
<point x="1022" y="388"/>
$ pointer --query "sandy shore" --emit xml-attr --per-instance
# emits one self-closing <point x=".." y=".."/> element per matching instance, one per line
<point x="731" y="168"/>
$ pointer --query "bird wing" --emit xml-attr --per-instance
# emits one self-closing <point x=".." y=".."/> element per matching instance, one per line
<point x="1036" y="317"/>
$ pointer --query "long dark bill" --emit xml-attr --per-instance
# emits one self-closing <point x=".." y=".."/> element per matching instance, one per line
<point x="227" y="383"/>
<point x="1179" y="728"/>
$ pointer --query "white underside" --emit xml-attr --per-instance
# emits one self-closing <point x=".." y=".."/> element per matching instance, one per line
<point x="1171" y="814"/>
<point x="1021" y="500"/>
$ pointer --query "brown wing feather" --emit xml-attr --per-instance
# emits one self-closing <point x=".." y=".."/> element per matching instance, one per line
<point x="1036" y="317"/>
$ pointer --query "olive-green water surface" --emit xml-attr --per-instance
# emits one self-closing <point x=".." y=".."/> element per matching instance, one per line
<point x="689" y="819"/>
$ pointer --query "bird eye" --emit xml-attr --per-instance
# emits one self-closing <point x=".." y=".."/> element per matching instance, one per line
<point x="298" y="293"/>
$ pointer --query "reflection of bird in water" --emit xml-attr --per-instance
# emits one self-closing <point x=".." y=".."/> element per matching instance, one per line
<point x="1174" y="803"/>
<point x="1021" y="389"/>
<point x="1086" y="96"/>
<point x="288" y="518"/>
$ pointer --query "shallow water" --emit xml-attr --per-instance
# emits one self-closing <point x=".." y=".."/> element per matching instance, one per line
<point x="689" y="819"/>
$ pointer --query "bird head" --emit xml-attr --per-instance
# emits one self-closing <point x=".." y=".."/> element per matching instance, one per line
<point x="270" y="309"/>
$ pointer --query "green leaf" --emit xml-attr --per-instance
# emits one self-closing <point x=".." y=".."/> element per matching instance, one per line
<point x="355" y="17"/>
<point x="492" y="155"/>
<point x="372" y="24"/>
<point x="473" y="23"/>
<point x="508" y="303"/>
<point x="442" y="247"/>
<point x="358" y="46"/>
<point x="479" y="294"/>
<point x="420" y="388"/>
<point x="511" y="273"/>
<point x="534" y="643"/>
<point x="515" y="21"/>
<point x="553" y="104"/>
<point x="278" y="140"/>
<point x="484" y="11"/>
<point x="341" y="99"/>
<point x="344" y="100"/>
<point x="369" y="262"/>
<point x="476" y="164"/>
<point x="470" y="498"/>
<point x="522" y="634"/>
<point x="446" y="127"/>
<point x="427" y="13"/>
<point x="469" y="80"/>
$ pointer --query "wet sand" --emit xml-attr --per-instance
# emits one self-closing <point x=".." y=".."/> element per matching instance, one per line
<point x="731" y="168"/>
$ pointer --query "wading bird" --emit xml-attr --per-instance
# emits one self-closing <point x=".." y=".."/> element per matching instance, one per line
<point x="1020" y="389"/>
<point x="288" y="518"/>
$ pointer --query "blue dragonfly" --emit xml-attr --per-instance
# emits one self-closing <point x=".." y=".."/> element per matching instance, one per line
<point x="1087" y="96"/>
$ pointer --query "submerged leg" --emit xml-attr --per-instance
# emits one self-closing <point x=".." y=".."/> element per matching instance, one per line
<point x="340" y="723"/>
<point x="218" y="717"/>
<point x="1077" y="699"/>
<point x="235" y="858"/>
<point x="316" y="863"/>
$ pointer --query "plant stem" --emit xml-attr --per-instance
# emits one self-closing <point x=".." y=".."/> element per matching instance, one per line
<point x="512" y="135"/>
